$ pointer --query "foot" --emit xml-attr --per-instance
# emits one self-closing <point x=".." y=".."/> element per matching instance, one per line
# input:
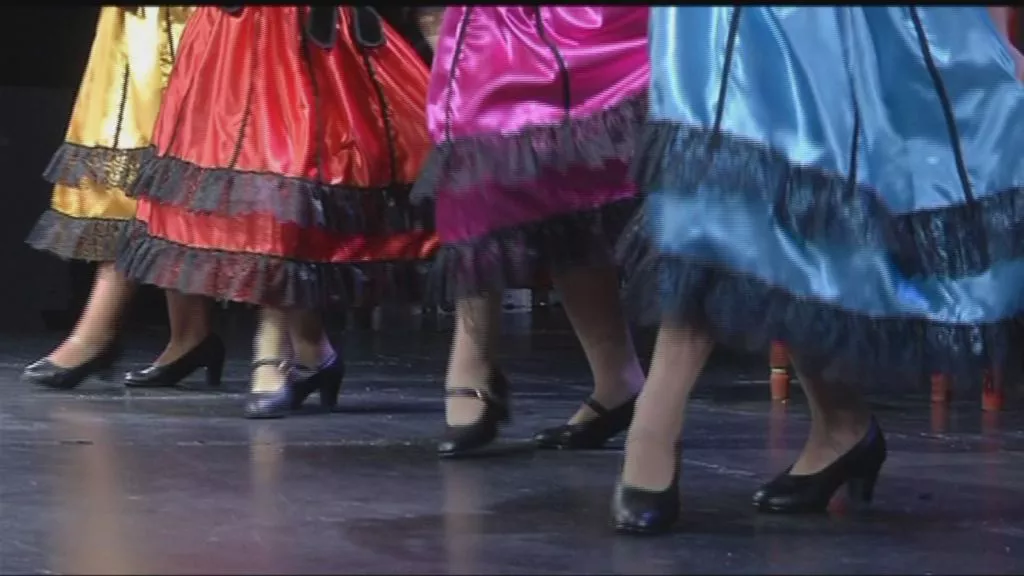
<point x="651" y="460"/>
<point x="825" y="445"/>
<point x="268" y="378"/>
<point x="610" y="399"/>
<point x="462" y="410"/>
<point x="77" y="351"/>
<point x="177" y="348"/>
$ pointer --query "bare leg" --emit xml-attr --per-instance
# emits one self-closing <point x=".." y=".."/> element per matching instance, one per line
<point x="591" y="300"/>
<point x="839" y="419"/>
<point x="308" y="337"/>
<point x="477" y="328"/>
<point x="98" y="324"/>
<point x="651" y="446"/>
<point x="271" y="342"/>
<point x="189" y="318"/>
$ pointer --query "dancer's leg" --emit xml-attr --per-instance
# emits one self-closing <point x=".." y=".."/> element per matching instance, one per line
<point x="591" y="300"/>
<point x="839" y="420"/>
<point x="477" y="330"/>
<point x="98" y="324"/>
<point x="271" y="342"/>
<point x="651" y="446"/>
<point x="308" y="338"/>
<point x="189" y="318"/>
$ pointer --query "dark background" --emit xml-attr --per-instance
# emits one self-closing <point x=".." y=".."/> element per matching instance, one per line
<point x="43" y="51"/>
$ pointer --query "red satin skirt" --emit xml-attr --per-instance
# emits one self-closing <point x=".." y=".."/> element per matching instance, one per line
<point x="278" y="164"/>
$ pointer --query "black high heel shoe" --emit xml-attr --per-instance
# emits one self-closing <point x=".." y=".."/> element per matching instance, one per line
<point x="858" y="469"/>
<point x="464" y="440"/>
<point x="300" y="384"/>
<point x="646" y="512"/>
<point x="591" y="434"/>
<point x="208" y="354"/>
<point x="45" y="373"/>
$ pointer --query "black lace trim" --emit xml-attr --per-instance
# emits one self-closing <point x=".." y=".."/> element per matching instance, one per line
<point x="349" y="210"/>
<point x="260" y="279"/>
<point x="77" y="166"/>
<point x="516" y="257"/>
<point x="523" y="157"/>
<point x="956" y="241"/>
<point x="71" y="238"/>
<point x="745" y="312"/>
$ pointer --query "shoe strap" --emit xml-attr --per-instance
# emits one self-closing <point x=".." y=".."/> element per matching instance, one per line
<point x="596" y="406"/>
<point x="482" y="395"/>
<point x="282" y="364"/>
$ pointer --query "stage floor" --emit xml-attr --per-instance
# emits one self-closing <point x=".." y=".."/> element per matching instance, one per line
<point x="107" y="481"/>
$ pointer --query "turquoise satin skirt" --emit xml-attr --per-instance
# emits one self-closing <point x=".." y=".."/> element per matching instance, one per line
<point x="845" y="179"/>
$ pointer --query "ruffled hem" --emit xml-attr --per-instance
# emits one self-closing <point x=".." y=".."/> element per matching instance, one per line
<point x="260" y="279"/>
<point x="518" y="257"/>
<point x="70" y="238"/>
<point x="745" y="312"/>
<point x="956" y="241"/>
<point x="223" y="191"/>
<point x="526" y="156"/>
<point x="77" y="166"/>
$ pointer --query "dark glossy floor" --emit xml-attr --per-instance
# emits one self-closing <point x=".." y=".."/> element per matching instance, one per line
<point x="106" y="481"/>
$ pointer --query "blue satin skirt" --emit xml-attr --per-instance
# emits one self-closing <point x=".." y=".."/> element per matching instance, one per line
<point x="847" y="180"/>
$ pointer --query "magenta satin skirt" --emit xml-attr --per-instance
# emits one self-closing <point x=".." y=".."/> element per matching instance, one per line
<point x="533" y="111"/>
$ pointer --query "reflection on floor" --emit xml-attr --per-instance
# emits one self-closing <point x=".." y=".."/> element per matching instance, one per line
<point x="106" y="481"/>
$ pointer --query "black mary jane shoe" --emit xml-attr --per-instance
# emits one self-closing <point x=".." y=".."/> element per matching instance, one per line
<point x="208" y="354"/>
<point x="45" y="373"/>
<point x="300" y="383"/>
<point x="858" y="469"/>
<point x="639" y="511"/>
<point x="466" y="440"/>
<point x="591" y="434"/>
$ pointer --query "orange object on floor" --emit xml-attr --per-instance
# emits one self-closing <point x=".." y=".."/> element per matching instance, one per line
<point x="992" y="394"/>
<point x="942" y="389"/>
<point x="778" y="361"/>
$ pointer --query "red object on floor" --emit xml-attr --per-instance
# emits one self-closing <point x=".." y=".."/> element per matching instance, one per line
<point x="778" y="361"/>
<point x="942" y="389"/>
<point x="992" y="394"/>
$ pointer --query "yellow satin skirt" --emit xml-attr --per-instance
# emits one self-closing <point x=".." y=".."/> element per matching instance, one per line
<point x="109" y="134"/>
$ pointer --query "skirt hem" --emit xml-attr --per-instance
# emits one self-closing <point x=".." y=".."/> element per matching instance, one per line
<point x="77" y="166"/>
<point x="258" y="278"/>
<point x="746" y="312"/>
<point x="73" y="238"/>
<point x="224" y="191"/>
<point x="955" y="241"/>
<point x="514" y="159"/>
<point x="517" y="257"/>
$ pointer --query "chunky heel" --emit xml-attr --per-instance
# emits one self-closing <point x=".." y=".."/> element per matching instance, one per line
<point x="214" y="373"/>
<point x="329" y="393"/>
<point x="861" y="490"/>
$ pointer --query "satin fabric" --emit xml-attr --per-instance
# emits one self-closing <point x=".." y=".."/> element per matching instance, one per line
<point x="245" y="98"/>
<point x="513" y="71"/>
<point x="798" y="75"/>
<point x="119" y="98"/>
<point x="506" y="73"/>
<point x="248" y="101"/>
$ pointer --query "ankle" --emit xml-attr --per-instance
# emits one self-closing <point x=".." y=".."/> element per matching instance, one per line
<point x="313" y="354"/>
<point x="187" y="340"/>
<point x="842" y="425"/>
